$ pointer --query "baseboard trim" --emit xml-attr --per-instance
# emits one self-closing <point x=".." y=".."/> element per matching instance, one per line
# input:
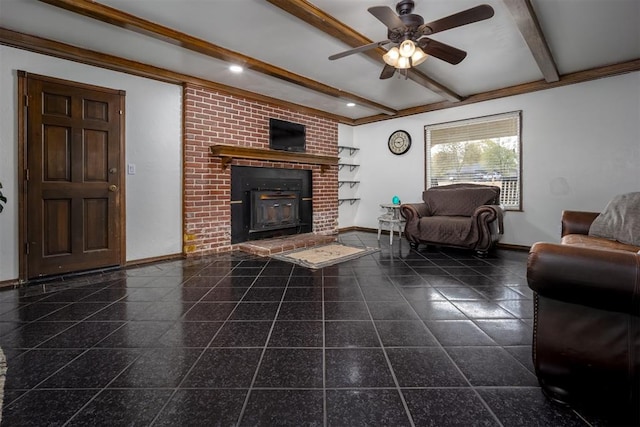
<point x="7" y="284"/>
<point x="365" y="229"/>
<point x="507" y="246"/>
<point x="520" y="248"/>
<point x="15" y="283"/>
<point x="151" y="260"/>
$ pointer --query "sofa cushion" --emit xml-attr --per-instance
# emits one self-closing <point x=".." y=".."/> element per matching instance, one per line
<point x="597" y="243"/>
<point x="452" y="200"/>
<point x="620" y="220"/>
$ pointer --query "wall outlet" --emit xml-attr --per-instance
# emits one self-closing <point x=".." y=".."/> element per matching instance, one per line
<point x="131" y="169"/>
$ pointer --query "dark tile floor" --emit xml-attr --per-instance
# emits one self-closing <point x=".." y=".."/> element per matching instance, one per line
<point x="395" y="338"/>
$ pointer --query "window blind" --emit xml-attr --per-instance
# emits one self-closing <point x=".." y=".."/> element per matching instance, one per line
<point x="484" y="150"/>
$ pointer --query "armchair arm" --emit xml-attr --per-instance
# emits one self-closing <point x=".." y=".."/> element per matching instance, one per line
<point x="599" y="278"/>
<point x="488" y="213"/>
<point x="414" y="211"/>
<point x="488" y="227"/>
<point x="577" y="222"/>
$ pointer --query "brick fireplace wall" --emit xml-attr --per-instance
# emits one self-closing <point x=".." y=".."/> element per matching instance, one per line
<point x="211" y="118"/>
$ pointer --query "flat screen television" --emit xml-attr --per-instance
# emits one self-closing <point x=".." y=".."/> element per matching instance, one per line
<point x="287" y="136"/>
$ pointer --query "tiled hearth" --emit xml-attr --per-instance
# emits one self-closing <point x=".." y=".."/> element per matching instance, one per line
<point x="266" y="247"/>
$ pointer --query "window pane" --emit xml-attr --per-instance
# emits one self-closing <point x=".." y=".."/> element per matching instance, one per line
<point x="483" y="151"/>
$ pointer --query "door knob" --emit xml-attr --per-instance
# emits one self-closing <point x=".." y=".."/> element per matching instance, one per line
<point x="113" y="188"/>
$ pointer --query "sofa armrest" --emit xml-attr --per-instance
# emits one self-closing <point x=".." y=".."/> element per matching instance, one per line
<point x="577" y="222"/>
<point x="599" y="278"/>
<point x="414" y="211"/>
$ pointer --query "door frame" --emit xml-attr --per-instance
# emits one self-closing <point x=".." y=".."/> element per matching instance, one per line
<point x="23" y="103"/>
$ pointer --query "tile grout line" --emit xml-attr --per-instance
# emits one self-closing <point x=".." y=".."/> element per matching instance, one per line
<point x="441" y="347"/>
<point x="266" y="345"/>
<point x="186" y="375"/>
<point x="475" y="391"/>
<point x="386" y="357"/>
<point x="325" y="416"/>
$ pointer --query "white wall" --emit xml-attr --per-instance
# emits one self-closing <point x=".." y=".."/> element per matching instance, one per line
<point x="153" y="143"/>
<point x="580" y="146"/>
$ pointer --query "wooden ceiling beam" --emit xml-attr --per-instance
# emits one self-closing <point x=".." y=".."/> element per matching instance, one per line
<point x="527" y="22"/>
<point x="127" y="21"/>
<point x="89" y="57"/>
<point x="565" y="80"/>
<point x="326" y="23"/>
<point x="115" y="63"/>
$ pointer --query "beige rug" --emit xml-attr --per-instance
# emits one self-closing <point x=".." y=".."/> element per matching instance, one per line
<point x="322" y="256"/>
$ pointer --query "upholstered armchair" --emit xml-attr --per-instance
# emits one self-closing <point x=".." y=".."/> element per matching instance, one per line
<point x="465" y="216"/>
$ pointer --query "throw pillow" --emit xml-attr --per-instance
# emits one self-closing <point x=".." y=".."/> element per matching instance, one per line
<point x="620" y="220"/>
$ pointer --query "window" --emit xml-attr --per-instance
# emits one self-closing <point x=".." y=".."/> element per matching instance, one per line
<point x="485" y="150"/>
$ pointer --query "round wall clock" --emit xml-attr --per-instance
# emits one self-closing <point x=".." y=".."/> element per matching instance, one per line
<point x="399" y="142"/>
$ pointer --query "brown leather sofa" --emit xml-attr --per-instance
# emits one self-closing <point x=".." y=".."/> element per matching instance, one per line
<point x="586" y="334"/>
<point x="465" y="216"/>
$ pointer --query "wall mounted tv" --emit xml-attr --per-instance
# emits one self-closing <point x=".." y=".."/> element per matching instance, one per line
<point x="286" y="136"/>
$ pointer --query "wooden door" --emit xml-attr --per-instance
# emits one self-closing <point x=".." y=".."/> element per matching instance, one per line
<point x="74" y="195"/>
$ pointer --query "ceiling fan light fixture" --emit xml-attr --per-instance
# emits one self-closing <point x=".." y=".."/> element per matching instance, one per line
<point x="403" y="63"/>
<point x="418" y="57"/>
<point x="407" y="48"/>
<point x="391" y="57"/>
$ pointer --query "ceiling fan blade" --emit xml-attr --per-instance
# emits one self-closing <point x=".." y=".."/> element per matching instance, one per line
<point x="358" y="49"/>
<point x="469" y="16"/>
<point x="387" y="72"/>
<point x="388" y="17"/>
<point x="443" y="51"/>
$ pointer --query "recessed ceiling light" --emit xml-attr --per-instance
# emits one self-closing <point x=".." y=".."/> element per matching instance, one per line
<point x="351" y="104"/>
<point x="235" y="69"/>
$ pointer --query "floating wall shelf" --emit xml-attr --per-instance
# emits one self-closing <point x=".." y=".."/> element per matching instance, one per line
<point x="351" y="201"/>
<point x="351" y="183"/>
<point x="344" y="147"/>
<point x="351" y="166"/>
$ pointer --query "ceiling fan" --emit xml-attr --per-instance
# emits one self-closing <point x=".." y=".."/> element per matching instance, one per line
<point x="409" y="32"/>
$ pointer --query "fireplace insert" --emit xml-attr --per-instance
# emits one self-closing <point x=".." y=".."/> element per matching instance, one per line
<point x="274" y="210"/>
<point x="270" y="202"/>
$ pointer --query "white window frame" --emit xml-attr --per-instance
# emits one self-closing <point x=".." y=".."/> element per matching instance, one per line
<point x="507" y="125"/>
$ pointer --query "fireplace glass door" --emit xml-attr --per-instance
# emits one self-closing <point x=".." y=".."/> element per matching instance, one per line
<point x="274" y="210"/>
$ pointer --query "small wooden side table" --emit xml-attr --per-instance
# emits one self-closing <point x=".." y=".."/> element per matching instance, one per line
<point x="391" y="220"/>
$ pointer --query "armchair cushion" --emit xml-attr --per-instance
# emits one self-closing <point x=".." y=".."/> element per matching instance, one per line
<point x="620" y="220"/>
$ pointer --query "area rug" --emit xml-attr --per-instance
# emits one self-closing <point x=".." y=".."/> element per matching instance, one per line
<point x="325" y="255"/>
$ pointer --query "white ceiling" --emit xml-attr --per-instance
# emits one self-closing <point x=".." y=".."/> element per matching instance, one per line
<point x="581" y="34"/>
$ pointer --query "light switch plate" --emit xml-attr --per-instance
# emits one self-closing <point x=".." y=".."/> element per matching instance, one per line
<point x="131" y="169"/>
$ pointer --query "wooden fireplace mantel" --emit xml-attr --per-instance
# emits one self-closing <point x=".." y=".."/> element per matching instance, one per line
<point x="228" y="152"/>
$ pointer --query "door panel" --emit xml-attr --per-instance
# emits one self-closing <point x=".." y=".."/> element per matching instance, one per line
<point x="74" y="196"/>
<point x="96" y="215"/>
<point x="56" y="153"/>
<point x="57" y="227"/>
<point x="96" y="154"/>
